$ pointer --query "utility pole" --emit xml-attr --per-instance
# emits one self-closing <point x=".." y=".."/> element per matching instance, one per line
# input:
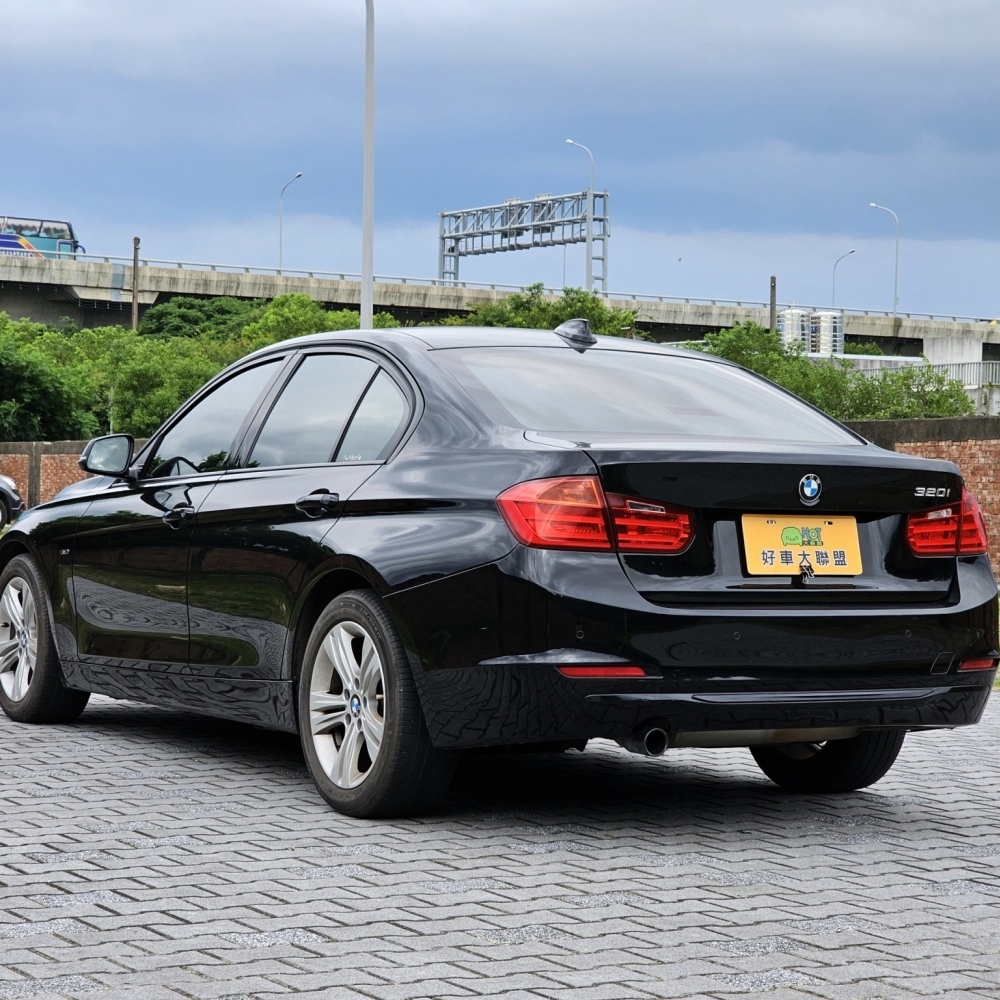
<point x="135" y="282"/>
<point x="368" y="190"/>
<point x="774" y="302"/>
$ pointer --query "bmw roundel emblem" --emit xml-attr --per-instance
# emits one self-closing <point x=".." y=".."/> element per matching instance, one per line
<point x="810" y="488"/>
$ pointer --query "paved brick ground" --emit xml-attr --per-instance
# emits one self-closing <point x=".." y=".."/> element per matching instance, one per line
<point x="153" y="854"/>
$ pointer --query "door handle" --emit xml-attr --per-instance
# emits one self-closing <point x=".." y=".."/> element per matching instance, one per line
<point x="181" y="514"/>
<point x="318" y="503"/>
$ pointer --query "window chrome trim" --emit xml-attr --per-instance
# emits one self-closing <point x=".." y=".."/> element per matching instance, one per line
<point x="382" y="361"/>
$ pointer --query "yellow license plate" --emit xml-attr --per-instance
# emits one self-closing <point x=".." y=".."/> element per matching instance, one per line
<point x="790" y="544"/>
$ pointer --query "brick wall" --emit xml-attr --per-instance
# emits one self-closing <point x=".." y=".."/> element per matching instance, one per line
<point x="16" y="466"/>
<point x="42" y="468"/>
<point x="56" y="472"/>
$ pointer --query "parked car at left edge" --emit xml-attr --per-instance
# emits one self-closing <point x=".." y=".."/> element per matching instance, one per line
<point x="11" y="503"/>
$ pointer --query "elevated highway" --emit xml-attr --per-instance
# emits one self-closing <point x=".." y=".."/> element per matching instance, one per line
<point x="93" y="291"/>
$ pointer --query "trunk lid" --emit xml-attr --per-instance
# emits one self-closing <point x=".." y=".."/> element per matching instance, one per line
<point x="721" y="484"/>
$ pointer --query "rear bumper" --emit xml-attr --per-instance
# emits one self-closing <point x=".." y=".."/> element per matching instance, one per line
<point x="484" y="647"/>
<point x="741" y="711"/>
<point x="494" y="706"/>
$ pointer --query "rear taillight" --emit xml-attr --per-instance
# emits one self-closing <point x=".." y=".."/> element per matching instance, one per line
<point x="572" y="512"/>
<point x="648" y="526"/>
<point x="955" y="530"/>
<point x="565" y="513"/>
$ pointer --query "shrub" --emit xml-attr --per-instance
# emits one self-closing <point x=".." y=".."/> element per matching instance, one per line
<point x="837" y="387"/>
<point x="221" y="318"/>
<point x="532" y="309"/>
<point x="38" y="402"/>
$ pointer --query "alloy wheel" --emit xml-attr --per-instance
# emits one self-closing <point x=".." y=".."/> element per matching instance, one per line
<point x="347" y="708"/>
<point x="18" y="638"/>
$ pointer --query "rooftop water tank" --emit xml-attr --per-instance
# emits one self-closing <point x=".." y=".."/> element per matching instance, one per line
<point x="793" y="325"/>
<point x="826" y="332"/>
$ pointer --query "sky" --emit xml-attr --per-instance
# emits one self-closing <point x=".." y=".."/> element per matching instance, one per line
<point x="737" y="140"/>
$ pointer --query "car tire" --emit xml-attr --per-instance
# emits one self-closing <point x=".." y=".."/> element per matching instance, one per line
<point x="363" y="733"/>
<point x="31" y="679"/>
<point x="4" y="514"/>
<point x="834" y="766"/>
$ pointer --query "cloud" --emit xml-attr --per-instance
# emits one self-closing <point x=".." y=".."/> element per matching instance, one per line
<point x="187" y="37"/>
<point x="706" y="116"/>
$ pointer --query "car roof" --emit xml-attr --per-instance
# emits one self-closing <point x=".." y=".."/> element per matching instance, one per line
<point x="446" y="337"/>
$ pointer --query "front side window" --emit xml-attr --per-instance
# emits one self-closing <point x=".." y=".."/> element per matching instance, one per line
<point x="200" y="441"/>
<point x="308" y="419"/>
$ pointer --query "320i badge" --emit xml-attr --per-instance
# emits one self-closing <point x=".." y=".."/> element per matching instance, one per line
<point x="402" y="544"/>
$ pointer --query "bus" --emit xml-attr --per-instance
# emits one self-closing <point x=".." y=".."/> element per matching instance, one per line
<point x="37" y="238"/>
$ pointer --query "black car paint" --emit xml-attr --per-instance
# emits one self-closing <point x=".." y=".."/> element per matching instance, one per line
<point x="11" y="500"/>
<point x="212" y="613"/>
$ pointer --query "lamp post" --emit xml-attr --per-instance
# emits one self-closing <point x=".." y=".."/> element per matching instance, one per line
<point x="833" y="292"/>
<point x="368" y="190"/>
<point x="895" y="279"/>
<point x="590" y="216"/>
<point x="281" y="220"/>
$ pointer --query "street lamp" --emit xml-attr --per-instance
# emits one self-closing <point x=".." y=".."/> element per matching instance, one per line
<point x="368" y="189"/>
<point x="281" y="219"/>
<point x="833" y="293"/>
<point x="590" y="216"/>
<point x="895" y="280"/>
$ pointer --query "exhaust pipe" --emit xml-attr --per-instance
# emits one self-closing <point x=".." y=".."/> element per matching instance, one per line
<point x="650" y="741"/>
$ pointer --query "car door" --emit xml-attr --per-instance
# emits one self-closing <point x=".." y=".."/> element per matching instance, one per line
<point x="259" y="532"/>
<point x="130" y="555"/>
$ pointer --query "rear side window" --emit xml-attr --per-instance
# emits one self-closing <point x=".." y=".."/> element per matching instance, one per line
<point x="306" y="423"/>
<point x="377" y="424"/>
<point x="201" y="439"/>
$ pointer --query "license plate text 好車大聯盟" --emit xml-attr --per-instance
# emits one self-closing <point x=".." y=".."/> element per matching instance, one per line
<point x="792" y="544"/>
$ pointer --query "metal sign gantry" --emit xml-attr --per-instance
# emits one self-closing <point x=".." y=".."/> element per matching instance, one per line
<point x="521" y="224"/>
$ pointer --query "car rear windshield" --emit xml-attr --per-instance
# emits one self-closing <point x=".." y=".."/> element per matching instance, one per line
<point x="634" y="394"/>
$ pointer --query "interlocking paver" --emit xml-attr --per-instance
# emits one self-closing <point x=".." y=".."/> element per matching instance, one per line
<point x="149" y="853"/>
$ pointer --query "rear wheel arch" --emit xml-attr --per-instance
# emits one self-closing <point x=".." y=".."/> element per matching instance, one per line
<point x="322" y="591"/>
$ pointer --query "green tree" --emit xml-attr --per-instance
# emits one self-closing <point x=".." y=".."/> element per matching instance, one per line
<point x="837" y="387"/>
<point x="151" y="379"/>
<point x="533" y="309"/>
<point x="183" y="316"/>
<point x="38" y="402"/>
<point x="297" y="315"/>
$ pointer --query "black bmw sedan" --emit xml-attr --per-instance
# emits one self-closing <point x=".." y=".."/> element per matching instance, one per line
<point x="403" y="544"/>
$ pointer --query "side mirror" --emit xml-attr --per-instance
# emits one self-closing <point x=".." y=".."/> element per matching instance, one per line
<point x="110" y="455"/>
